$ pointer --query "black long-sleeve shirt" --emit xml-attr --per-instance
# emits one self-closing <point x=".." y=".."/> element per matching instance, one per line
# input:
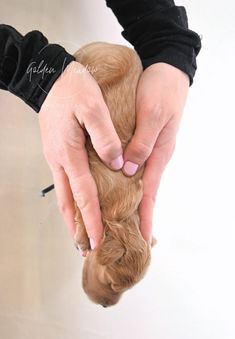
<point x="157" y="29"/>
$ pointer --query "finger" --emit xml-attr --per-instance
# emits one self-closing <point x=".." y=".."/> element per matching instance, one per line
<point x="104" y="137"/>
<point x="64" y="198"/>
<point x="141" y="145"/>
<point x="153" y="171"/>
<point x="85" y="194"/>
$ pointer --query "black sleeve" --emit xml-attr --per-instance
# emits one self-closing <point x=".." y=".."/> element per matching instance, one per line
<point x="159" y="32"/>
<point x="29" y="66"/>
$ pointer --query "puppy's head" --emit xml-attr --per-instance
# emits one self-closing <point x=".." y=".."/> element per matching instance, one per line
<point x="119" y="262"/>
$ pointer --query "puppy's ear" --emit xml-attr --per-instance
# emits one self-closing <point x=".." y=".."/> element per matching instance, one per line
<point x="110" y="251"/>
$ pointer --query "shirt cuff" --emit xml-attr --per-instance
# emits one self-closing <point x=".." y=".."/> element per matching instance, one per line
<point x="40" y="75"/>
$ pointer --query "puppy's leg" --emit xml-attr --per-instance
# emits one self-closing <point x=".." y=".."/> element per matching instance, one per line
<point x="81" y="238"/>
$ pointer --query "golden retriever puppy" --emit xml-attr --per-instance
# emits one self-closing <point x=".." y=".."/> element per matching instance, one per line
<point x="123" y="256"/>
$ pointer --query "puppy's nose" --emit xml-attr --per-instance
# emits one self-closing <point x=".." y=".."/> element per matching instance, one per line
<point x="104" y="305"/>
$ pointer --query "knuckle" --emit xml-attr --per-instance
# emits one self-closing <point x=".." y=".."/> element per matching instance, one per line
<point x="90" y="115"/>
<point x="150" y="199"/>
<point x="109" y="148"/>
<point x="165" y="151"/>
<point x="152" y="109"/>
<point x="81" y="200"/>
<point x="51" y="154"/>
<point x="61" y="153"/>
<point x="141" y="150"/>
<point x="156" y="116"/>
<point x="63" y="208"/>
<point x="82" y="189"/>
<point x="169" y="153"/>
<point x="90" y="108"/>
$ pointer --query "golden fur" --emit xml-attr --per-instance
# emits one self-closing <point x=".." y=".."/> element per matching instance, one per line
<point x="123" y="256"/>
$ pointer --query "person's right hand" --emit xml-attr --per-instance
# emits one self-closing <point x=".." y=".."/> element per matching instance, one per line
<point x="75" y="104"/>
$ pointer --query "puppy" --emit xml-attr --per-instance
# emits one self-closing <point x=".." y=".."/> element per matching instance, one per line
<point x="123" y="256"/>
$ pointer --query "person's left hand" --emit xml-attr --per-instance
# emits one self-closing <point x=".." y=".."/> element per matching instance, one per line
<point x="161" y="95"/>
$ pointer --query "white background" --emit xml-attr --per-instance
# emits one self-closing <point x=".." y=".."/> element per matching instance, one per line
<point x="188" y="292"/>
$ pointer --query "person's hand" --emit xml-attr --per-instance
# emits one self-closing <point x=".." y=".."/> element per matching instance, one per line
<point x="161" y="95"/>
<point x="75" y="106"/>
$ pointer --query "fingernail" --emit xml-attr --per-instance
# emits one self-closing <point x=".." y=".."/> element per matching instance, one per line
<point x="92" y="243"/>
<point x="130" y="168"/>
<point x="117" y="163"/>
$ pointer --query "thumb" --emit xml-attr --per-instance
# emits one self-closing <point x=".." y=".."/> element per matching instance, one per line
<point x="104" y="137"/>
<point x="141" y="145"/>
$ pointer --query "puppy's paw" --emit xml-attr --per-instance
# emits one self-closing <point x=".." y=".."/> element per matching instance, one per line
<point x="82" y="252"/>
<point x="153" y="241"/>
<point x="81" y="240"/>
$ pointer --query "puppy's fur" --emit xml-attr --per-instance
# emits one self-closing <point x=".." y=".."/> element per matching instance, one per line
<point x="123" y="256"/>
